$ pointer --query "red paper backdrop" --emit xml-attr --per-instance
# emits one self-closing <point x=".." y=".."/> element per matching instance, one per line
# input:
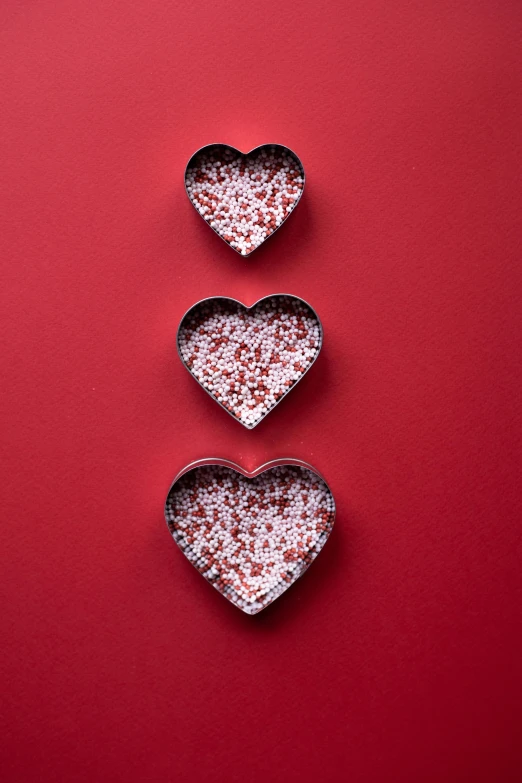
<point x="397" y="657"/>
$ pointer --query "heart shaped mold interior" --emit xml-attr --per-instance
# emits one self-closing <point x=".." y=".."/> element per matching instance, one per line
<point x="244" y="197"/>
<point x="250" y="537"/>
<point x="248" y="359"/>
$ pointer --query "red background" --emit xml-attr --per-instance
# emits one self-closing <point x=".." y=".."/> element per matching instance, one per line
<point x="397" y="657"/>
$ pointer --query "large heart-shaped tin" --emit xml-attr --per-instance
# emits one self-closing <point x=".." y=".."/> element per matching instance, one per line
<point x="245" y="197"/>
<point x="250" y="534"/>
<point x="249" y="358"/>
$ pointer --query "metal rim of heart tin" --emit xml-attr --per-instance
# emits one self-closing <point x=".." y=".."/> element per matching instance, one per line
<point x="220" y="145"/>
<point x="220" y="462"/>
<point x="248" y="309"/>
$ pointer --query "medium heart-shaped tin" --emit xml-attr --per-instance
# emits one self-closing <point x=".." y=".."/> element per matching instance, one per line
<point x="249" y="358"/>
<point x="250" y="534"/>
<point x="244" y="196"/>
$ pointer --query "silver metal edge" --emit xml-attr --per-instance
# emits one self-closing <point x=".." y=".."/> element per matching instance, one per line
<point x="231" y="299"/>
<point x="244" y="154"/>
<point x="280" y="461"/>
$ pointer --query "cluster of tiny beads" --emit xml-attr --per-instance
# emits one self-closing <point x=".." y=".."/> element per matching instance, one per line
<point x="244" y="198"/>
<point x="251" y="538"/>
<point x="248" y="359"/>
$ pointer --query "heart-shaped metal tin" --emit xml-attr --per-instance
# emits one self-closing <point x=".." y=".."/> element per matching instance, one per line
<point x="265" y="386"/>
<point x="246" y="211"/>
<point x="251" y="535"/>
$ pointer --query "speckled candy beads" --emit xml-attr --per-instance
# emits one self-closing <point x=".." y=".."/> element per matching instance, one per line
<point x="244" y="197"/>
<point x="248" y="359"/>
<point x="250" y="535"/>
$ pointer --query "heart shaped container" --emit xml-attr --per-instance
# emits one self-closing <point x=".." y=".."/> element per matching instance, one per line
<point x="204" y="561"/>
<point x="219" y="300"/>
<point x="221" y="152"/>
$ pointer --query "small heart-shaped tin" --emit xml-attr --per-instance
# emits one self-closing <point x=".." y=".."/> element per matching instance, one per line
<point x="249" y="358"/>
<point x="250" y="534"/>
<point x="244" y="196"/>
